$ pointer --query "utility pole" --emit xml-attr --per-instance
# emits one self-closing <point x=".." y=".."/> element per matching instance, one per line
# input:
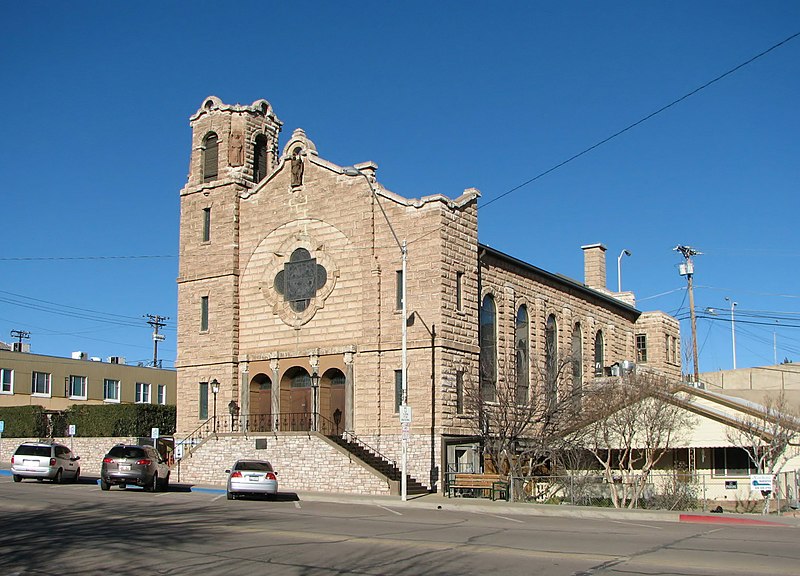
<point x="20" y="335"/>
<point x="156" y="322"/>
<point x="687" y="269"/>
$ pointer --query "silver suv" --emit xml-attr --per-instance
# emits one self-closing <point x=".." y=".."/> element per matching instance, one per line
<point x="134" y="464"/>
<point x="42" y="460"/>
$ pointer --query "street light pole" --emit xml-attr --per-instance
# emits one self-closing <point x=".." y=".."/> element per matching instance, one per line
<point x="215" y="390"/>
<point x="619" y="268"/>
<point x="733" y="330"/>
<point x="315" y="402"/>
<point x="353" y="171"/>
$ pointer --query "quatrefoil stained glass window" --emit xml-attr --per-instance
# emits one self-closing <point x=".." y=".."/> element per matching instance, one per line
<point x="300" y="279"/>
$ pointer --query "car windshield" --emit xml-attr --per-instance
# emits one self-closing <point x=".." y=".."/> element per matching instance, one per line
<point x="33" y="450"/>
<point x="126" y="452"/>
<point x="253" y="465"/>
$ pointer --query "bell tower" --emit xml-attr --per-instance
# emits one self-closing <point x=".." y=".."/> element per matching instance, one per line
<point x="234" y="150"/>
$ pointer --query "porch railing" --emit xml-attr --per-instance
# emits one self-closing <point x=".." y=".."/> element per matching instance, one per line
<point x="269" y="422"/>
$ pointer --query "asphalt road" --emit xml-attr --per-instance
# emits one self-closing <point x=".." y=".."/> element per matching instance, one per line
<point x="78" y="529"/>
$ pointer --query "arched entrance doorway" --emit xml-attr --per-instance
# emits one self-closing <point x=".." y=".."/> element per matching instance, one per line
<point x="296" y="400"/>
<point x="332" y="398"/>
<point x="260" y="417"/>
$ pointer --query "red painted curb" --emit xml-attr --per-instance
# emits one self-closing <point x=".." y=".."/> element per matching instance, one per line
<point x="703" y="519"/>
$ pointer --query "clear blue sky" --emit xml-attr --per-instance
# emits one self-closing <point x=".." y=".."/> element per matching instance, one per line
<point x="443" y="96"/>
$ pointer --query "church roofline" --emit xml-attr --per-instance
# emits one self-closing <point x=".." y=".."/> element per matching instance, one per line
<point x="560" y="279"/>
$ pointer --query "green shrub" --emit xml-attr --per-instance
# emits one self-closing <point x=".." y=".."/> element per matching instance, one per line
<point x="97" y="420"/>
<point x="24" y="421"/>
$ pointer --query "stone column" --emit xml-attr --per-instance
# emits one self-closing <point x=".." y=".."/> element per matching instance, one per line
<point x="348" y="392"/>
<point x="276" y="392"/>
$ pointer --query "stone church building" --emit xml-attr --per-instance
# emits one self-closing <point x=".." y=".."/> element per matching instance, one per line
<point x="290" y="301"/>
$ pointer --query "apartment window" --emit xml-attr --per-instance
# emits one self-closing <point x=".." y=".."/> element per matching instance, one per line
<point x="459" y="291"/>
<point x="202" y="408"/>
<point x="162" y="394"/>
<point x="77" y="387"/>
<point x="111" y="390"/>
<point x="142" y="393"/>
<point x="674" y="349"/>
<point x="398" y="390"/>
<point x="459" y="392"/>
<point x="210" y="157"/>
<point x="40" y="384"/>
<point x="6" y="381"/>
<point x="206" y="224"/>
<point x="204" y="314"/>
<point x="641" y="347"/>
<point x="399" y="291"/>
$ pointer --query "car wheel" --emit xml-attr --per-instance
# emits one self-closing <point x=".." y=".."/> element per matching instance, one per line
<point x="57" y="478"/>
<point x="77" y="476"/>
<point x="231" y="496"/>
<point x="154" y="483"/>
<point x="17" y="478"/>
<point x="104" y="485"/>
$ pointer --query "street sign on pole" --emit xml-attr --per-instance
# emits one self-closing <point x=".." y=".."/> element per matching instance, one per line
<point x="154" y="433"/>
<point x="71" y="430"/>
<point x="405" y="414"/>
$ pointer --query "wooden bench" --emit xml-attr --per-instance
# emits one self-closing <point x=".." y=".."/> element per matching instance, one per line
<point x="478" y="486"/>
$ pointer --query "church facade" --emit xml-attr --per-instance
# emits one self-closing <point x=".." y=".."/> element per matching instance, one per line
<point x="292" y="292"/>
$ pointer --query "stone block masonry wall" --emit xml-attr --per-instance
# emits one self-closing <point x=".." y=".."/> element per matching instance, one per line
<point x="304" y="462"/>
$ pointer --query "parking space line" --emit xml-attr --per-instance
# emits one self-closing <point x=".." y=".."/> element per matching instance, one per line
<point x="390" y="510"/>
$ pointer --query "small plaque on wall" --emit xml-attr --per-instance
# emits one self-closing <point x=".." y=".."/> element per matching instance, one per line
<point x="261" y="443"/>
<point x="731" y="484"/>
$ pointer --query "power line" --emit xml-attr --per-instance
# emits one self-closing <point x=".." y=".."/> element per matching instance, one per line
<point x="641" y="121"/>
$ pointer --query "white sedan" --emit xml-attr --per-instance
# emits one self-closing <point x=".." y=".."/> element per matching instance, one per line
<point x="252" y="477"/>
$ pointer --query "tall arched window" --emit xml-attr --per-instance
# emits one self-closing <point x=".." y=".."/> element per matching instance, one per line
<point x="210" y="157"/>
<point x="487" y="334"/>
<point x="522" y="348"/>
<point x="260" y="158"/>
<point x="598" y="353"/>
<point x="577" y="363"/>
<point x="551" y="359"/>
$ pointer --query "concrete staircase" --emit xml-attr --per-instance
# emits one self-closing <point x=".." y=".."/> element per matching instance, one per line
<point x="379" y="463"/>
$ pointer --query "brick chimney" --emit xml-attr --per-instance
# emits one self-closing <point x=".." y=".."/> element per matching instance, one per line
<point x="594" y="266"/>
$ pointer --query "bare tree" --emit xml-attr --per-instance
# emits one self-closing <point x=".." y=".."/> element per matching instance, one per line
<point x="630" y="424"/>
<point x="766" y="434"/>
<point x="521" y="420"/>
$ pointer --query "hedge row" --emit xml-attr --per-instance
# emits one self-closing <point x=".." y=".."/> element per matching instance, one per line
<point x="99" y="420"/>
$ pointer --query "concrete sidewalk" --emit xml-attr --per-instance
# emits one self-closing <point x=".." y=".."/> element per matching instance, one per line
<point x="499" y="507"/>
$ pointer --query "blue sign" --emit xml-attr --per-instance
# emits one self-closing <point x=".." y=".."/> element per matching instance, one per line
<point x="2" y="426"/>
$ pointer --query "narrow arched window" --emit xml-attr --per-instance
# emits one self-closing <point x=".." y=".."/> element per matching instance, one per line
<point x="551" y="360"/>
<point x="210" y="157"/>
<point x="488" y="355"/>
<point x="577" y="364"/>
<point x="598" y="353"/>
<point x="522" y="348"/>
<point x="260" y="158"/>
